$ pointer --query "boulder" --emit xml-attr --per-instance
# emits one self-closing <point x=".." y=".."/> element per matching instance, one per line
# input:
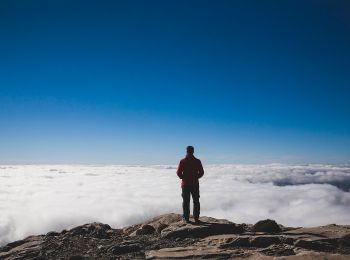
<point x="96" y="230"/>
<point x="160" y="227"/>
<point x="207" y="227"/>
<point x="158" y="223"/>
<point x="145" y="230"/>
<point x="267" y="225"/>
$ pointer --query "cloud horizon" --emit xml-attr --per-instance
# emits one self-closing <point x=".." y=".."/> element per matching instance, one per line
<point x="36" y="199"/>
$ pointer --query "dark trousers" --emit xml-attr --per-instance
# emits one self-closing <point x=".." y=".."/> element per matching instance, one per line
<point x="187" y="191"/>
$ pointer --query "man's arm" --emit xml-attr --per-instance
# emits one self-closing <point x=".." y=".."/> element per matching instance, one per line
<point x="200" y="169"/>
<point x="179" y="171"/>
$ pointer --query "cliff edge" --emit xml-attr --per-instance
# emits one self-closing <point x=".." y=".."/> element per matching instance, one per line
<point x="167" y="237"/>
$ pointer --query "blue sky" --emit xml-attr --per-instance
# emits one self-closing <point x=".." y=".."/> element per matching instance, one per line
<point x="134" y="82"/>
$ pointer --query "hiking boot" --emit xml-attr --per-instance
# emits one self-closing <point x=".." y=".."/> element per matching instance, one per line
<point x="197" y="221"/>
<point x="185" y="220"/>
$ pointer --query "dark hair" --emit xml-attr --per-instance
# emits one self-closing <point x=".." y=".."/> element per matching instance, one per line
<point x="190" y="149"/>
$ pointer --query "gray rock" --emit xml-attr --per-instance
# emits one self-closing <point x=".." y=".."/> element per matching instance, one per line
<point x="160" y="227"/>
<point x="96" y="230"/>
<point x="125" y="248"/>
<point x="264" y="241"/>
<point x="243" y="241"/>
<point x="267" y="225"/>
<point x="52" y="234"/>
<point x="317" y="245"/>
<point x="344" y="241"/>
<point x="145" y="230"/>
<point x="78" y="257"/>
<point x="167" y="237"/>
<point x="207" y="227"/>
<point x="278" y="250"/>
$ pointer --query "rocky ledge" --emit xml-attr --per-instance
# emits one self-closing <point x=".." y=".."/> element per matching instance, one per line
<point x="167" y="237"/>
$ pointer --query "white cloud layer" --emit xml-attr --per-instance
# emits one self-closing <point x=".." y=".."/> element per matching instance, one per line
<point x="35" y="199"/>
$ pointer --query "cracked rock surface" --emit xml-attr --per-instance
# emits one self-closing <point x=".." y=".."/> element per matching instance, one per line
<point x="167" y="237"/>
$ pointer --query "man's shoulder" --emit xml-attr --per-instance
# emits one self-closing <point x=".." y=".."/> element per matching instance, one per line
<point x="183" y="160"/>
<point x="186" y="160"/>
<point x="197" y="159"/>
<point x="190" y="159"/>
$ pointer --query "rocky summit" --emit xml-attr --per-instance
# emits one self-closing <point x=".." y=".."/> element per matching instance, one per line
<point x="168" y="237"/>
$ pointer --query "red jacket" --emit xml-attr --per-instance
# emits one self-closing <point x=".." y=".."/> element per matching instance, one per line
<point x="190" y="169"/>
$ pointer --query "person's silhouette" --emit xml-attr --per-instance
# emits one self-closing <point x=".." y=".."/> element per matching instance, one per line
<point x="190" y="169"/>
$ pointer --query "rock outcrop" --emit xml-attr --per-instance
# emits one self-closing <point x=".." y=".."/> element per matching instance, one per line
<point x="167" y="237"/>
<point x="267" y="225"/>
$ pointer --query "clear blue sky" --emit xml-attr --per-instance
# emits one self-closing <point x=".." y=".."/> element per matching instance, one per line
<point x="134" y="82"/>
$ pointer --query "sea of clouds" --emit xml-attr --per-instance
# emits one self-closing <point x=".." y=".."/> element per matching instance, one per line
<point x="35" y="199"/>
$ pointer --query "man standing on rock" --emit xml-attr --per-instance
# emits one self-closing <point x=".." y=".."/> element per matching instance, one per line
<point x="190" y="169"/>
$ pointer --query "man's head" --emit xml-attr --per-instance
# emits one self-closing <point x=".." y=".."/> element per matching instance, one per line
<point x="190" y="150"/>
